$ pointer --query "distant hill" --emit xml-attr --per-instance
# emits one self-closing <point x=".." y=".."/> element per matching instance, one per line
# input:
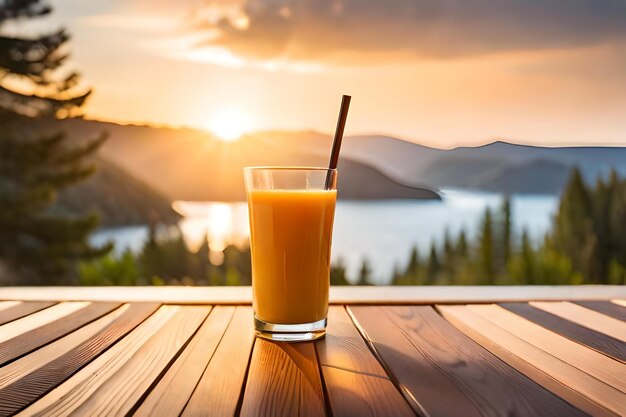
<point x="119" y="198"/>
<point x="498" y="166"/>
<point x="538" y="176"/>
<point x="193" y="165"/>
<point x="185" y="164"/>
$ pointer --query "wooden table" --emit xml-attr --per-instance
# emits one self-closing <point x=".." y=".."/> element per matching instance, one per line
<point x="402" y="351"/>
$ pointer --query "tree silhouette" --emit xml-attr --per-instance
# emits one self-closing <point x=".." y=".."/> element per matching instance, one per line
<point x="574" y="224"/>
<point x="507" y="230"/>
<point x="432" y="266"/>
<point x="365" y="273"/>
<point x="35" y="63"/>
<point x="412" y="272"/>
<point x="39" y="244"/>
<point x="486" y="250"/>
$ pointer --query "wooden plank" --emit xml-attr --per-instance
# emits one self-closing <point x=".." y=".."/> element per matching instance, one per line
<point x="491" y="385"/>
<point x="605" y="307"/>
<point x="570" y="383"/>
<point x="427" y="390"/>
<point x="104" y="365"/>
<point x="581" y="334"/>
<point x="65" y="357"/>
<point x="124" y="373"/>
<point x="595" y="364"/>
<point x="13" y="310"/>
<point x="356" y="383"/>
<point x="39" y="319"/>
<point x="283" y="380"/>
<point x="24" y="366"/>
<point x="338" y="295"/>
<point x="37" y="337"/>
<point x="585" y="317"/>
<point x="219" y="391"/>
<point x="171" y="394"/>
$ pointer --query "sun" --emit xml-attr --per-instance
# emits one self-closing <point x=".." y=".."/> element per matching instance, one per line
<point x="229" y="124"/>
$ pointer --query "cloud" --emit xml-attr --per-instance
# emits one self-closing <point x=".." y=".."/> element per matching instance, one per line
<point x="129" y="22"/>
<point x="345" y="30"/>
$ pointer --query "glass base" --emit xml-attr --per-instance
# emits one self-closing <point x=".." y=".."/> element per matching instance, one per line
<point x="290" y="332"/>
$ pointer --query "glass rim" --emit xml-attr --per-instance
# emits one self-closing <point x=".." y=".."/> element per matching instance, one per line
<point x="288" y="168"/>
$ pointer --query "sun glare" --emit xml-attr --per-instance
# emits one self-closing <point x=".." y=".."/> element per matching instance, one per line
<point x="229" y="124"/>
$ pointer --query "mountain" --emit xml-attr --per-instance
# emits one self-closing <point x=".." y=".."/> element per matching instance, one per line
<point x="188" y="164"/>
<point x="498" y="166"/>
<point x="118" y="197"/>
<point x="185" y="164"/>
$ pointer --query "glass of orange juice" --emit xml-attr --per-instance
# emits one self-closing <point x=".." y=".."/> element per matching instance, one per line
<point x="291" y="224"/>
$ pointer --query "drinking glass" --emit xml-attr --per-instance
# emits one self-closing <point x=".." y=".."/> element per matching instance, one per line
<point x="291" y="222"/>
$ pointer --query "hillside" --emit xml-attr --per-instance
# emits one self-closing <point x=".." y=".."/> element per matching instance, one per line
<point x="185" y="164"/>
<point x="119" y="198"/>
<point x="498" y="166"/>
<point x="189" y="164"/>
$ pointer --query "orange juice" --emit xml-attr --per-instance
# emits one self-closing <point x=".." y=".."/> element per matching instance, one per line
<point x="290" y="233"/>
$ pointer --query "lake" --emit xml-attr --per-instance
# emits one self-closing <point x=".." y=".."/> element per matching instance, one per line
<point x="381" y="231"/>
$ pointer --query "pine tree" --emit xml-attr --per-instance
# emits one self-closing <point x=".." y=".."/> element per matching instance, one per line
<point x="573" y="228"/>
<point x="527" y="259"/>
<point x="35" y="64"/>
<point x="37" y="243"/>
<point x="433" y="266"/>
<point x="449" y="259"/>
<point x="412" y="271"/>
<point x="507" y="230"/>
<point x="462" y="249"/>
<point x="486" y="250"/>
<point x="617" y="214"/>
<point x="365" y="273"/>
<point x="605" y="243"/>
<point x="338" y="273"/>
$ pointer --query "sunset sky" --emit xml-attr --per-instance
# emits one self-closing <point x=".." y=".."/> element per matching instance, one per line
<point x="441" y="73"/>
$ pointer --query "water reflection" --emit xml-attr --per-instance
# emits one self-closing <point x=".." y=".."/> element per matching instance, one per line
<point x="381" y="231"/>
<point x="222" y="224"/>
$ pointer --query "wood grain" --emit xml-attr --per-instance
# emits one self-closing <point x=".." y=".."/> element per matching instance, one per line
<point x="69" y="394"/>
<point x="220" y="388"/>
<point x="171" y="394"/>
<point x="605" y="307"/>
<point x="22" y="392"/>
<point x="585" y="317"/>
<point x="581" y="334"/>
<point x="595" y="364"/>
<point x="570" y="383"/>
<point x="127" y="386"/>
<point x="356" y="383"/>
<point x="283" y="380"/>
<point x="13" y="310"/>
<point x="130" y="384"/>
<point x="427" y="389"/>
<point x="51" y="331"/>
<point x="338" y="295"/>
<point x="491" y="385"/>
<point x="29" y="323"/>
<point x="27" y="364"/>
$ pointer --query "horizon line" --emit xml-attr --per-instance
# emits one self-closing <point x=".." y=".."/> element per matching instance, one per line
<point x="462" y="144"/>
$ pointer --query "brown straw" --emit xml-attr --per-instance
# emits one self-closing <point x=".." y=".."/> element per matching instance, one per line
<point x="341" y="124"/>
